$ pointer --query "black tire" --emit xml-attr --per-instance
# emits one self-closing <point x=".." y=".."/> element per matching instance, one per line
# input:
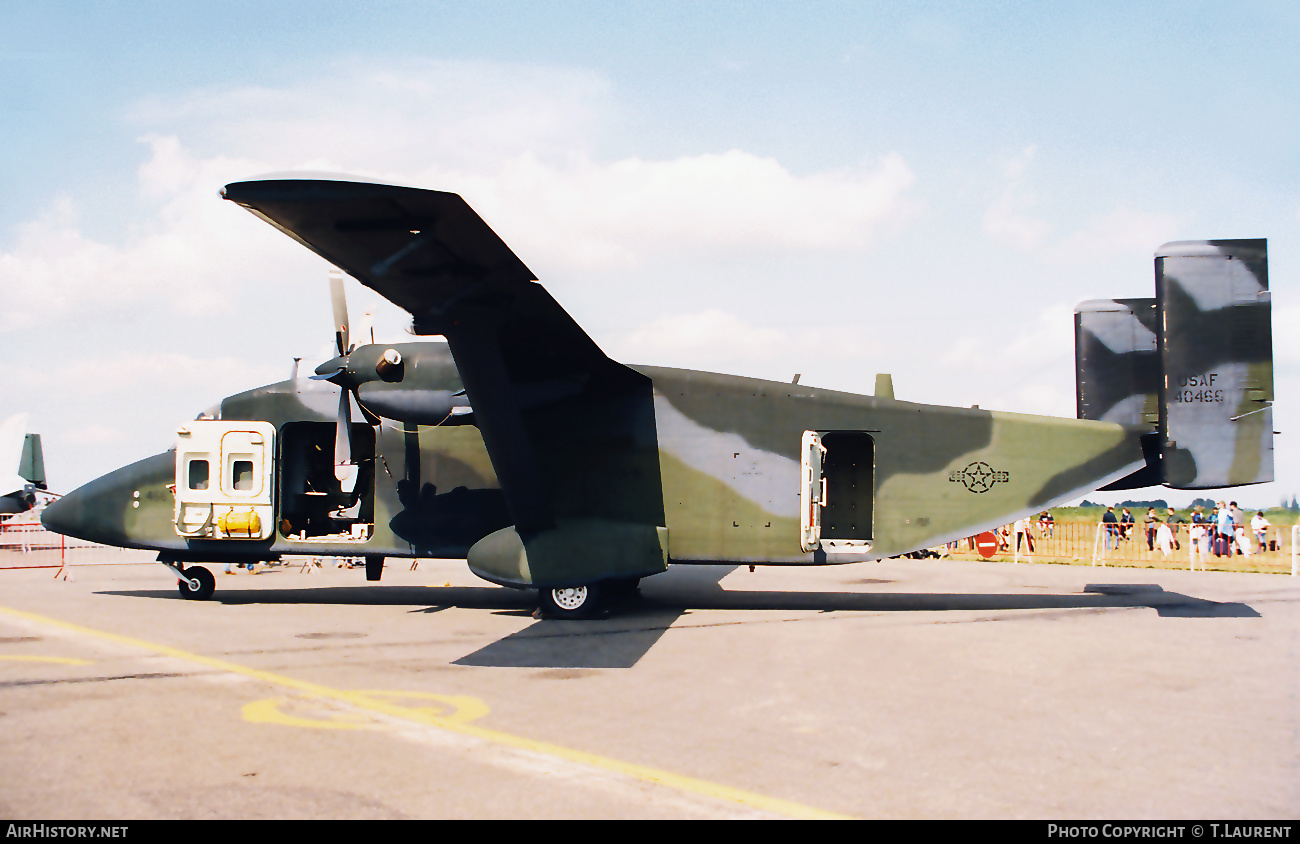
<point x="626" y="589"/>
<point x="207" y="584"/>
<point x="569" y="602"/>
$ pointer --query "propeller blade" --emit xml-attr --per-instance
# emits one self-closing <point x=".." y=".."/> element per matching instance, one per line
<point x="344" y="469"/>
<point x="340" y="313"/>
<point x="343" y="436"/>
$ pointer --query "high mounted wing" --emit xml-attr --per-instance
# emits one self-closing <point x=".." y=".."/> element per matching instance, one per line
<point x="418" y="248"/>
<point x="570" y="432"/>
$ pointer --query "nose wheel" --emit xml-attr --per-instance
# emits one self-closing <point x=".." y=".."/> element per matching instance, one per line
<point x="196" y="583"/>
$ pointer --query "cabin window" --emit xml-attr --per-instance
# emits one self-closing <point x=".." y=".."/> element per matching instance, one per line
<point x="198" y="474"/>
<point x="242" y="475"/>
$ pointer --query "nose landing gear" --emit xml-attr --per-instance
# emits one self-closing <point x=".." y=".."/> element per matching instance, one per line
<point x="196" y="583"/>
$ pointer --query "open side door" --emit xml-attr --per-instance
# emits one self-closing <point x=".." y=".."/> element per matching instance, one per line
<point x="315" y="504"/>
<point x="837" y="493"/>
<point x="224" y="480"/>
<point x="812" y="492"/>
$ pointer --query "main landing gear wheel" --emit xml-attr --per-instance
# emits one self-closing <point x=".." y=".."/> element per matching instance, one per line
<point x="623" y="590"/>
<point x="571" y="601"/>
<point x="198" y="584"/>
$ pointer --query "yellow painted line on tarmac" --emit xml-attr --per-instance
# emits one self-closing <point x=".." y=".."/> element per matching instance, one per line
<point x="370" y="701"/>
<point x="61" y="660"/>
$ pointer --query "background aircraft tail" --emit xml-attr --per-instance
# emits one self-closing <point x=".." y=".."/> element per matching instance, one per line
<point x="13" y="434"/>
<point x="1195" y="364"/>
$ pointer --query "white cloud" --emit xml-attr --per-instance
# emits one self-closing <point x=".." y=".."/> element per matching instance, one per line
<point x="1026" y="367"/>
<point x="718" y="341"/>
<point x="510" y="139"/>
<point x="1286" y="337"/>
<point x="1007" y="220"/>
<point x="187" y="256"/>
<point x="144" y="323"/>
<point x="684" y="339"/>
<point x="393" y="117"/>
<point x="142" y="372"/>
<point x="1119" y="232"/>
<point x="589" y="214"/>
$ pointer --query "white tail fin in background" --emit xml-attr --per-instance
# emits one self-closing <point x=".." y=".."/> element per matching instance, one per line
<point x="13" y="431"/>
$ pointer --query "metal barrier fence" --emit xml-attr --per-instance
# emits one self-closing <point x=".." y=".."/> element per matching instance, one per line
<point x="1090" y="542"/>
<point x="28" y="545"/>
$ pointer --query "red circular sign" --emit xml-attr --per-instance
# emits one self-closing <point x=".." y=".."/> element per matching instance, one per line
<point x="987" y="544"/>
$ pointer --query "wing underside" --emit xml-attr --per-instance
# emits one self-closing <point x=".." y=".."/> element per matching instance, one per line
<point x="570" y="432"/>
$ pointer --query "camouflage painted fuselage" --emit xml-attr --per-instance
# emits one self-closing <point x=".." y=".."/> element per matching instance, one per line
<point x="729" y="455"/>
<point x="722" y="458"/>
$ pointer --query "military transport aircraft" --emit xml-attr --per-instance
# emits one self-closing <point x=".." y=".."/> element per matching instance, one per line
<point x="516" y="444"/>
<point x="22" y="466"/>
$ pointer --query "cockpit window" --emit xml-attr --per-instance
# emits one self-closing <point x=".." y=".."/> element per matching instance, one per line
<point x="242" y="475"/>
<point x="198" y="474"/>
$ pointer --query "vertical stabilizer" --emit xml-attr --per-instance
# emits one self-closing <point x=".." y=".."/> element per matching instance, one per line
<point x="1117" y="361"/>
<point x="1217" y="353"/>
<point x="31" y="466"/>
<point x="1195" y="364"/>
<point x="13" y="433"/>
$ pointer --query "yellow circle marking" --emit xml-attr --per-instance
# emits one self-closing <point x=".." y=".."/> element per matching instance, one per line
<point x="379" y="706"/>
<point x="300" y="712"/>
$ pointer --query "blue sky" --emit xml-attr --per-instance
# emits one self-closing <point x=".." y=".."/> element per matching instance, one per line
<point x="836" y="189"/>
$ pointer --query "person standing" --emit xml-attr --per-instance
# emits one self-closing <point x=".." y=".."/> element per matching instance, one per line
<point x="1024" y="532"/>
<point x="1239" y="529"/>
<point x="1111" y="526"/>
<point x="1223" y="532"/>
<point x="1196" y="541"/>
<point x="1164" y="538"/>
<point x="1259" y="526"/>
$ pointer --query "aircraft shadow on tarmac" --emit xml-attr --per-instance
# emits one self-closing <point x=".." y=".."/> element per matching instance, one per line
<point x="622" y="639"/>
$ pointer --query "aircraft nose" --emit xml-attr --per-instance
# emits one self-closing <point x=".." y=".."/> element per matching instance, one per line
<point x="108" y="509"/>
<point x="66" y="515"/>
